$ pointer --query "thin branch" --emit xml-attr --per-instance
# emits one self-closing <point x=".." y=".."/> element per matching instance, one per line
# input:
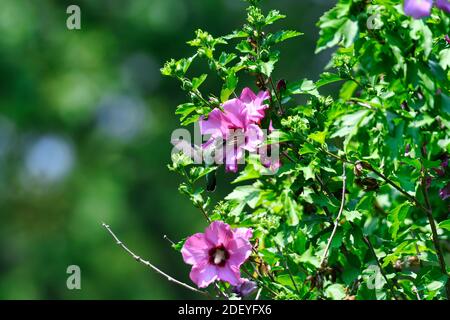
<point x="399" y="189"/>
<point x="168" y="239"/>
<point x="258" y="294"/>
<point x="435" y="236"/>
<point x="372" y="250"/>
<point x="288" y="270"/>
<point x="148" y="264"/>
<point x="336" y="221"/>
<point x="427" y="210"/>
<point x="258" y="281"/>
<point x="220" y="292"/>
<point x="276" y="95"/>
<point x="414" y="289"/>
<point x="200" y="205"/>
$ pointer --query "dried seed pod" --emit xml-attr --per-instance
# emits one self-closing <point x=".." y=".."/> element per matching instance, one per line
<point x="398" y="265"/>
<point x="358" y="169"/>
<point x="368" y="184"/>
<point x="414" y="261"/>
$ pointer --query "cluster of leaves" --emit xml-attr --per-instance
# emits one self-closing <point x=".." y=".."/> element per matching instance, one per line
<point x="354" y="212"/>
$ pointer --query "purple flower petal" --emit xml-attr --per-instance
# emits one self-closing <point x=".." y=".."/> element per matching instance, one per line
<point x="418" y="8"/>
<point x="443" y="4"/>
<point x="204" y="275"/>
<point x="195" y="249"/>
<point x="444" y="193"/>
<point x="255" y="104"/>
<point x="230" y="274"/>
<point x="246" y="288"/>
<point x="217" y="254"/>
<point x="218" y="233"/>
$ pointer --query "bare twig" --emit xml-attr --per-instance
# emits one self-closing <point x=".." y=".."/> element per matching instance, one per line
<point x="288" y="270"/>
<point x="435" y="236"/>
<point x="336" y="221"/>
<point x="414" y="289"/>
<point x="148" y="264"/>
<point x="372" y="250"/>
<point x="276" y="95"/>
<point x="168" y="239"/>
<point x="258" y="294"/>
<point x="261" y="283"/>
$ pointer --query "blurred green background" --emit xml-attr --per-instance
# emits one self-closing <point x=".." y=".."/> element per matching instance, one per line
<point x="85" y="126"/>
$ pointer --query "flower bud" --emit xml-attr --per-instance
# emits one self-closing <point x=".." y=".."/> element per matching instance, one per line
<point x="398" y="265"/>
<point x="245" y="289"/>
<point x="281" y="86"/>
<point x="414" y="261"/>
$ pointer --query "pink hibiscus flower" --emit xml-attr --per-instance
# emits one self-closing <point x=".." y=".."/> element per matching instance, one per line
<point x="255" y="104"/>
<point x="217" y="254"/>
<point x="267" y="159"/>
<point x="237" y="126"/>
<point x="443" y="5"/>
<point x="418" y="8"/>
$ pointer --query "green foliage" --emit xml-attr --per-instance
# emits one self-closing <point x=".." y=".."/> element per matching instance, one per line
<point x="389" y="126"/>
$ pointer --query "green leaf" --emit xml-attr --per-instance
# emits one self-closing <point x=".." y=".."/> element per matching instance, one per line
<point x="397" y="216"/>
<point x="179" y="245"/>
<point x="248" y="194"/>
<point x="302" y="87"/>
<point x="352" y="215"/>
<point x="253" y="169"/>
<point x="335" y="292"/>
<point x="245" y="47"/>
<point x="318" y="136"/>
<point x="282" y="35"/>
<point x="291" y="208"/>
<point x="444" y="58"/>
<point x="327" y="78"/>
<point x="422" y="33"/>
<point x="196" y="82"/>
<point x="274" y="15"/>
<point x="336" y="27"/>
<point x="307" y="148"/>
<point x="229" y="86"/>
<point x="445" y="225"/>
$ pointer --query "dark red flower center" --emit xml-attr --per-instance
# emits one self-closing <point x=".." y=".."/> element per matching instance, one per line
<point x="218" y="256"/>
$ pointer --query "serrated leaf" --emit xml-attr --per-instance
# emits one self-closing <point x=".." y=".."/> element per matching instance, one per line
<point x="397" y="216"/>
<point x="318" y="136"/>
<point x="335" y="292"/>
<point x="197" y="82"/>
<point x="445" y="225"/>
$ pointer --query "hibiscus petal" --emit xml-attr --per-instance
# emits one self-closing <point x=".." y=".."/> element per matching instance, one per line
<point x="254" y="104"/>
<point x="443" y="4"/>
<point x="245" y="233"/>
<point x="254" y="137"/>
<point x="418" y="8"/>
<point x="204" y="275"/>
<point x="235" y="114"/>
<point x="239" y="250"/>
<point x="262" y="96"/>
<point x="195" y="249"/>
<point x="230" y="274"/>
<point x="218" y="233"/>
<point x="215" y="125"/>
<point x="247" y="95"/>
<point x="234" y="153"/>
